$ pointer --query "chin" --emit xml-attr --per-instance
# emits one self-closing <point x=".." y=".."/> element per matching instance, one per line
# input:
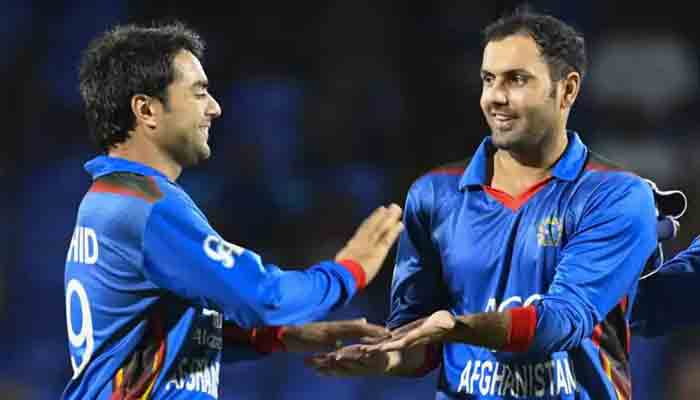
<point x="205" y="152"/>
<point x="194" y="157"/>
<point x="504" y="140"/>
<point x="200" y="156"/>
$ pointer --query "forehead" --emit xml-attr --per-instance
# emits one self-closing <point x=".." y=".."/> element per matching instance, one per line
<point x="513" y="52"/>
<point x="189" y="68"/>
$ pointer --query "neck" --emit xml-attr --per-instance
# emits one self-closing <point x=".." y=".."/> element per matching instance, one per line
<point x="539" y="157"/>
<point x="140" y="149"/>
<point x="517" y="170"/>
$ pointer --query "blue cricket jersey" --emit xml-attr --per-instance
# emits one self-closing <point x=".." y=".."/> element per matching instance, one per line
<point x="150" y="286"/>
<point x="573" y="247"/>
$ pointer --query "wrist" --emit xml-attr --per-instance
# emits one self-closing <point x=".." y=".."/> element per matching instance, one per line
<point x="357" y="271"/>
<point x="522" y="322"/>
<point x="268" y="339"/>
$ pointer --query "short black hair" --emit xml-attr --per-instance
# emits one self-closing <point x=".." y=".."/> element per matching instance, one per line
<point x="561" y="46"/>
<point x="125" y="61"/>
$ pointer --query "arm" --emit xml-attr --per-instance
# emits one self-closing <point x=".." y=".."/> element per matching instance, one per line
<point x="417" y="290"/>
<point x="599" y="265"/>
<point x="184" y="255"/>
<point x="245" y="344"/>
<point x="667" y="299"/>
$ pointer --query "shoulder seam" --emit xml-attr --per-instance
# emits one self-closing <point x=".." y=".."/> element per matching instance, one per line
<point x="143" y="187"/>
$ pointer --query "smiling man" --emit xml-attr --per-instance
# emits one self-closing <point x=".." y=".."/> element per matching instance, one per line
<point x="155" y="298"/>
<point x="517" y="266"/>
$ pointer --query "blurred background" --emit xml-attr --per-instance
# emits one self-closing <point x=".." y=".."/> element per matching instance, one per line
<point x="330" y="108"/>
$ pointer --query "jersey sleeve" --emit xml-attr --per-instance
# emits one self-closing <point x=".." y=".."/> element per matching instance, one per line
<point x="184" y="255"/>
<point x="600" y="264"/>
<point x="668" y="299"/>
<point x="238" y="345"/>
<point x="416" y="288"/>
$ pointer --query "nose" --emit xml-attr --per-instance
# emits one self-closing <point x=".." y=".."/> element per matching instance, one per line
<point x="214" y="109"/>
<point x="495" y="94"/>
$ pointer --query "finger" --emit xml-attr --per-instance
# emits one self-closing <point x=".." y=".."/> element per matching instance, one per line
<point x="407" y="327"/>
<point x="371" y="348"/>
<point x="390" y="346"/>
<point x="350" y="353"/>
<point x="414" y="338"/>
<point x="405" y="341"/>
<point x="409" y="340"/>
<point x="391" y="217"/>
<point x="390" y="236"/>
<point x="374" y="340"/>
<point x="356" y="329"/>
<point x="370" y="223"/>
<point x="350" y="358"/>
<point x="395" y="211"/>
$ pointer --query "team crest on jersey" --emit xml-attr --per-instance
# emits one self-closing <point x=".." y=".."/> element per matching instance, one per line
<point x="549" y="231"/>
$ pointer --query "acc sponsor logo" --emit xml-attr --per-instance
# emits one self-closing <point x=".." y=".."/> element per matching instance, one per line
<point x="220" y="250"/>
<point x="549" y="231"/>
<point x="513" y="301"/>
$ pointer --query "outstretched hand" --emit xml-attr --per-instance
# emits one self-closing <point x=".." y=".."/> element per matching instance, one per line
<point x="373" y="239"/>
<point x="349" y="361"/>
<point x="433" y="329"/>
<point x="328" y="335"/>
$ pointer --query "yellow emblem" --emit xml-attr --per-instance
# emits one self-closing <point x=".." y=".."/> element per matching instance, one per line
<point x="549" y="232"/>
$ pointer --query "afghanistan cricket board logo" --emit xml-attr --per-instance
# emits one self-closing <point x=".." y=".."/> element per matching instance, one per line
<point x="549" y="232"/>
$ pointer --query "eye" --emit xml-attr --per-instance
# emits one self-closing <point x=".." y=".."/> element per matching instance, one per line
<point x="487" y="79"/>
<point x="519" y="79"/>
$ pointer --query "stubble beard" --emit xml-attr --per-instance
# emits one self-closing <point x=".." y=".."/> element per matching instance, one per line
<point x="189" y="150"/>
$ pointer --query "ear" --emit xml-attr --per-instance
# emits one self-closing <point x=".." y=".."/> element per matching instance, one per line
<point x="145" y="110"/>
<point x="571" y="86"/>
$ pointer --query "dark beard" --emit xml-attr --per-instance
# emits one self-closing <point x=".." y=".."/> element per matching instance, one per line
<point x="185" y="152"/>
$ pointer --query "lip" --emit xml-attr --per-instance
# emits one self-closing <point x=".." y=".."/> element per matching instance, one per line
<point x="503" y="117"/>
<point x="204" y="130"/>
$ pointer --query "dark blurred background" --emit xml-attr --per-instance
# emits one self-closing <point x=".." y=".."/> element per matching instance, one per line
<point x="330" y="108"/>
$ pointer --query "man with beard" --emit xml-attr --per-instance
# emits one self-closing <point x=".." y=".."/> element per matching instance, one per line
<point x="517" y="266"/>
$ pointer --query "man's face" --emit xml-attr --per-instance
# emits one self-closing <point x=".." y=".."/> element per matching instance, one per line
<point x="517" y="96"/>
<point x="190" y="109"/>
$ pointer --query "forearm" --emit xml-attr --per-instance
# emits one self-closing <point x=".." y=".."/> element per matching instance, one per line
<point x="263" y="340"/>
<point x="272" y="297"/>
<point x="512" y="330"/>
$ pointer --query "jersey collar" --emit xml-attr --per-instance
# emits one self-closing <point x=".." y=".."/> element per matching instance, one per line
<point x="105" y="165"/>
<point x="567" y="168"/>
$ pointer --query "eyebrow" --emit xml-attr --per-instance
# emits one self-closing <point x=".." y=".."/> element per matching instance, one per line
<point x="508" y="72"/>
<point x="201" y="84"/>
